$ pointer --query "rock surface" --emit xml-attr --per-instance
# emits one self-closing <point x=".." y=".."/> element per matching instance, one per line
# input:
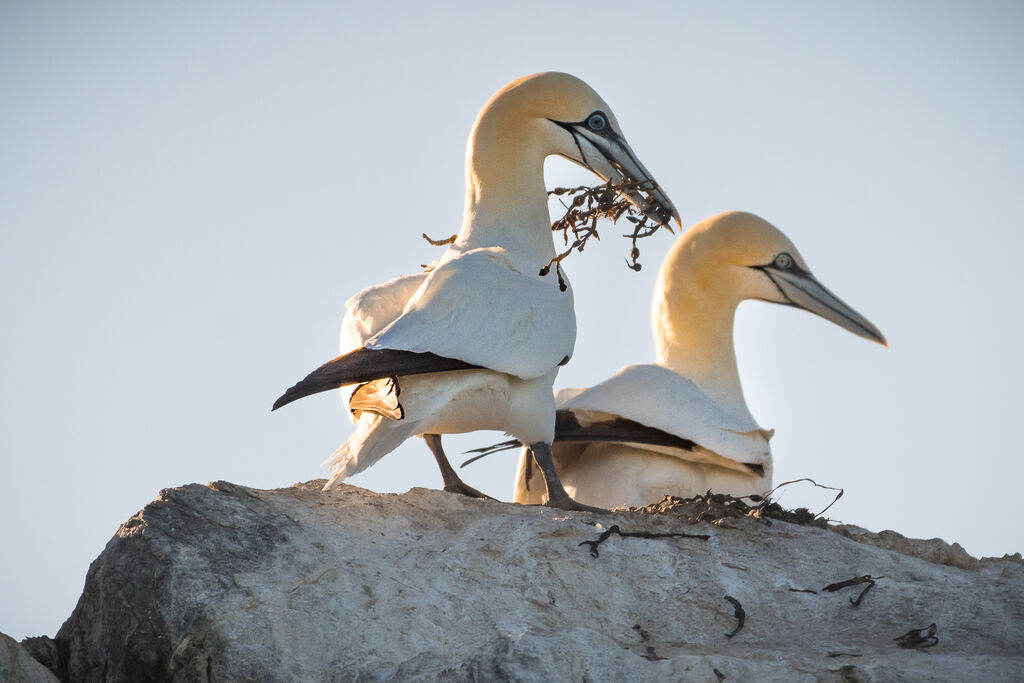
<point x="18" y="666"/>
<point x="223" y="582"/>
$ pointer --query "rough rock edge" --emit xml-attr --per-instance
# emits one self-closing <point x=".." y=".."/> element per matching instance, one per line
<point x="18" y="664"/>
<point x="52" y="653"/>
<point x="934" y="550"/>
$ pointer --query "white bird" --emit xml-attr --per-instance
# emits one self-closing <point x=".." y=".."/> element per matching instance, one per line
<point x="681" y="426"/>
<point x="476" y="342"/>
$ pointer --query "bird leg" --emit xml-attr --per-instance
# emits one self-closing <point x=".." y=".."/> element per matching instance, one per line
<point x="452" y="482"/>
<point x="557" y="497"/>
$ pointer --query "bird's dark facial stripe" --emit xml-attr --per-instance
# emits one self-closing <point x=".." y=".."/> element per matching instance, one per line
<point x="767" y="270"/>
<point x="613" y="138"/>
<point x="770" y="271"/>
<point x="572" y="131"/>
<point x="792" y="266"/>
<point x="597" y="122"/>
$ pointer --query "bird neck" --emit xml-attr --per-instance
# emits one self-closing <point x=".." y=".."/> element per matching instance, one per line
<point x="692" y="321"/>
<point x="506" y="199"/>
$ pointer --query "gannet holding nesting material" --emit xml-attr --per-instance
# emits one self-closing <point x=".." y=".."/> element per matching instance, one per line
<point x="476" y="342"/>
<point x="682" y="426"/>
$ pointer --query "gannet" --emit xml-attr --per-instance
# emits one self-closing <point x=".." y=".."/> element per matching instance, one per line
<point x="476" y="342"/>
<point x="681" y="426"/>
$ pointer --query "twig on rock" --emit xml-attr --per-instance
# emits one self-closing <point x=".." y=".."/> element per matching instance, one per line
<point x="741" y="616"/>
<point x="867" y="578"/>
<point x="614" y="529"/>
<point x="844" y="654"/>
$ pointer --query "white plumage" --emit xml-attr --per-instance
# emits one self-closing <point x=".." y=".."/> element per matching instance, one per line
<point x="476" y="342"/>
<point x="618" y="443"/>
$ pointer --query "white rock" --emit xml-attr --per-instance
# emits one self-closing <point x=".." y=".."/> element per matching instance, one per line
<point x="223" y="582"/>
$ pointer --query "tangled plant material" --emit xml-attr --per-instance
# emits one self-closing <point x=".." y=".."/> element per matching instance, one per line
<point x="588" y="205"/>
<point x="717" y="508"/>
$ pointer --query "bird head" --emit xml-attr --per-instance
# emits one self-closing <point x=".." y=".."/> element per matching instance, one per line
<point x="555" y="113"/>
<point x="755" y="260"/>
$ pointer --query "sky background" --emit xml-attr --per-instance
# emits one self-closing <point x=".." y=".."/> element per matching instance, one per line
<point x="189" y="192"/>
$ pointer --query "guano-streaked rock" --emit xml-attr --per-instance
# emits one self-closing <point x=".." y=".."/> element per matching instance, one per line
<point x="223" y="582"/>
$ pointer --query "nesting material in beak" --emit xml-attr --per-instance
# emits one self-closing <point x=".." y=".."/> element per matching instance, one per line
<point x="637" y="201"/>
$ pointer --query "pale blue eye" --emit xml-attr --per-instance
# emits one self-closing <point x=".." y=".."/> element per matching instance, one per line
<point x="783" y="261"/>
<point x="597" y="122"/>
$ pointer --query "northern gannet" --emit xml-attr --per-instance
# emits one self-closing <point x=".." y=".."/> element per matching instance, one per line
<point x="476" y="342"/>
<point x="681" y="426"/>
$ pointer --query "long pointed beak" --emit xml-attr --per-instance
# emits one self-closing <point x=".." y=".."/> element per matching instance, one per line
<point x="611" y="157"/>
<point x="803" y="290"/>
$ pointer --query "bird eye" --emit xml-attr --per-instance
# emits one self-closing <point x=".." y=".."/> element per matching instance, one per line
<point x="783" y="261"/>
<point x="597" y="121"/>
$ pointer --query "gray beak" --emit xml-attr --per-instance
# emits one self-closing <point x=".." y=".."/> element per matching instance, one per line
<point x="610" y="156"/>
<point x="801" y="289"/>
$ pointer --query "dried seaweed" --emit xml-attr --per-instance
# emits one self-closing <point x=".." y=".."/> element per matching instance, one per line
<point x="614" y="529"/>
<point x="741" y="616"/>
<point x="718" y="507"/>
<point x="843" y="654"/>
<point x="918" y="638"/>
<point x="588" y="205"/>
<point x="856" y="581"/>
<point x="839" y="495"/>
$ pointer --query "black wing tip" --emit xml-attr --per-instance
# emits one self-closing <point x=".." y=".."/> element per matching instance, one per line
<point x="293" y="394"/>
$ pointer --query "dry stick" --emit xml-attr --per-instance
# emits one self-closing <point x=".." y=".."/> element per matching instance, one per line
<point x="867" y="578"/>
<point x="614" y="529"/>
<point x="741" y="616"/>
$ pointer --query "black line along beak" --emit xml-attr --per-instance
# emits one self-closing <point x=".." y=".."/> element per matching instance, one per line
<point x="607" y="154"/>
<point x="801" y="289"/>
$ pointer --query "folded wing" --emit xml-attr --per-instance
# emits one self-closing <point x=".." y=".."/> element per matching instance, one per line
<point x="477" y="308"/>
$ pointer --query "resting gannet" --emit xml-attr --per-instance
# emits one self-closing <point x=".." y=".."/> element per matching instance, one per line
<point x="681" y="426"/>
<point x="476" y="342"/>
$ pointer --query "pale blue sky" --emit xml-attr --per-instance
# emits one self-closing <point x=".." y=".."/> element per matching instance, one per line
<point x="189" y="192"/>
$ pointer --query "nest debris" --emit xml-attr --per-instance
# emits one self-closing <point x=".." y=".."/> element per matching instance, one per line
<point x="588" y="205"/>
<point x="717" y="508"/>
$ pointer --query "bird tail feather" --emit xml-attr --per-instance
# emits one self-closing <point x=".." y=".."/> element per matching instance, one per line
<point x="375" y="437"/>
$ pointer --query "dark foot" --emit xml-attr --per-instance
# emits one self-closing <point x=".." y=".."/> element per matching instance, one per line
<point x="557" y="497"/>
<point x="564" y="502"/>
<point x="452" y="482"/>
<point x="459" y="486"/>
